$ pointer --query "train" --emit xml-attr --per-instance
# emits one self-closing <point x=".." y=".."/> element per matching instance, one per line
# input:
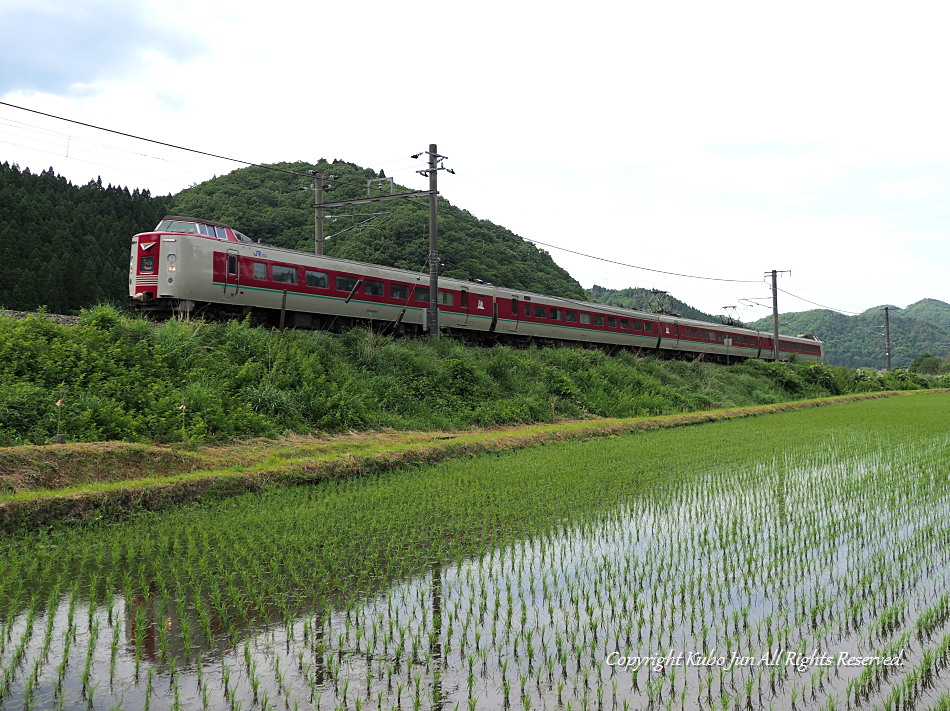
<point x="190" y="268"/>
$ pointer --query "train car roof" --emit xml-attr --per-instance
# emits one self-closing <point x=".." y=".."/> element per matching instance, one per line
<point x="182" y="218"/>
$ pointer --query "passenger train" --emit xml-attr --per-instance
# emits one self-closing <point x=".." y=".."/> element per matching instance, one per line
<point x="191" y="267"/>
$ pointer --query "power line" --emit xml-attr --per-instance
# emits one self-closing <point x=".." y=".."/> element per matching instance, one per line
<point x="151" y="140"/>
<point x="634" y="266"/>
<point x="813" y="303"/>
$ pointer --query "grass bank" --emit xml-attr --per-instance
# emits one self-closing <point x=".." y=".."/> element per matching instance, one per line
<point x="56" y="484"/>
<point x="116" y="378"/>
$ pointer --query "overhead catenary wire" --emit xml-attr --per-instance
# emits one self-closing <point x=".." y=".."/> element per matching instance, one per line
<point x="152" y="140"/>
<point x="634" y="266"/>
<point x="814" y="303"/>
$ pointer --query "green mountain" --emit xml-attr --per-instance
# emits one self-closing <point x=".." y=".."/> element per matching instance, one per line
<point x="858" y="341"/>
<point x="276" y="206"/>
<point x="930" y="310"/>
<point x="67" y="247"/>
<point x="646" y="300"/>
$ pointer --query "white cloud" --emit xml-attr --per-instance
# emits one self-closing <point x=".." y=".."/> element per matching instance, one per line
<point x="718" y="139"/>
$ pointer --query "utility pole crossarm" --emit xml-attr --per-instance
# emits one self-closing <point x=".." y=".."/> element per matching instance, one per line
<point x="381" y="198"/>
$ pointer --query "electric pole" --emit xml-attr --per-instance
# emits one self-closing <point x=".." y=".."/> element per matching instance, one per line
<point x="775" y="348"/>
<point x="435" y="165"/>
<point x="887" y="338"/>
<point x="318" y="211"/>
<point x="433" y="245"/>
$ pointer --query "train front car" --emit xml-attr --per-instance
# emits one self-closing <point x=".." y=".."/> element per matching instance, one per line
<point x="165" y="277"/>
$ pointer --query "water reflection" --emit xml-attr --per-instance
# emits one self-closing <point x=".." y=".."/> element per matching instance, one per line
<point x="754" y="561"/>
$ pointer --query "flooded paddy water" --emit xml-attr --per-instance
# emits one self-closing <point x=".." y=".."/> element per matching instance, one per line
<point x="740" y="565"/>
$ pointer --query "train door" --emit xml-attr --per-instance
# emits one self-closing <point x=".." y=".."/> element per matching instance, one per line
<point x="511" y="324"/>
<point x="232" y="277"/>
<point x="480" y="312"/>
<point x="464" y="304"/>
<point x="669" y="334"/>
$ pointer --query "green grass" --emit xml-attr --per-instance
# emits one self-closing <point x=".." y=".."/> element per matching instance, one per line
<point x="118" y="378"/>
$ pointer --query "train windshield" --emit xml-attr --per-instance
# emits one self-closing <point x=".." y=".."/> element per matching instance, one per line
<point x="189" y="228"/>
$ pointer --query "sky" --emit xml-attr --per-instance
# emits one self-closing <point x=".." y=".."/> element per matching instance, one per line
<point x="719" y="140"/>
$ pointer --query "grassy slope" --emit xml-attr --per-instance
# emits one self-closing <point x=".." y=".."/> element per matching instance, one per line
<point x="125" y="379"/>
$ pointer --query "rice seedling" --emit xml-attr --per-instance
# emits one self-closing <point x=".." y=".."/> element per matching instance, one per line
<point x="512" y="579"/>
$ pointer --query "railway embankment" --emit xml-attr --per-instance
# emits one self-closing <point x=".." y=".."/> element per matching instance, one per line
<point x="114" y="378"/>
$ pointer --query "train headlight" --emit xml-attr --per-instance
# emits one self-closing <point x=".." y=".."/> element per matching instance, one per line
<point x="171" y="268"/>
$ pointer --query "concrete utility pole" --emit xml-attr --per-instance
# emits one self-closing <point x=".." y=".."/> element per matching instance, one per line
<point x="775" y="273"/>
<point x="775" y="315"/>
<point x="318" y="212"/>
<point x="887" y="338"/>
<point x="432" y="320"/>
<point x="433" y="244"/>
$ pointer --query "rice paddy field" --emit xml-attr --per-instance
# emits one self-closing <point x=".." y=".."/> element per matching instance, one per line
<point x="793" y="561"/>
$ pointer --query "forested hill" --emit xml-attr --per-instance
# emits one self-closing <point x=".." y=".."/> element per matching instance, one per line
<point x="272" y="206"/>
<point x="646" y="300"/>
<point x="67" y="247"/>
<point x="930" y="310"/>
<point x="858" y="341"/>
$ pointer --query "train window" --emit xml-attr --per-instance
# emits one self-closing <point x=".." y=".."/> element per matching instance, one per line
<point x="189" y="228"/>
<point x="447" y="298"/>
<point x="514" y="306"/>
<point x="648" y="327"/>
<point x="220" y="233"/>
<point x="320" y="280"/>
<point x="527" y="309"/>
<point x="598" y="320"/>
<point x="638" y="325"/>
<point x="556" y="314"/>
<point x="585" y="318"/>
<point x="399" y="291"/>
<point x="570" y="316"/>
<point x="147" y="264"/>
<point x="232" y="264"/>
<point x="260" y="270"/>
<point x="704" y="335"/>
<point x="205" y="230"/>
<point x="285" y="275"/>
<point x="612" y="322"/>
<point x="624" y="323"/>
<point x="373" y="288"/>
<point x="694" y="332"/>
<point x="540" y="312"/>
<point x="345" y="283"/>
<point x="463" y="302"/>
<point x="421" y="293"/>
